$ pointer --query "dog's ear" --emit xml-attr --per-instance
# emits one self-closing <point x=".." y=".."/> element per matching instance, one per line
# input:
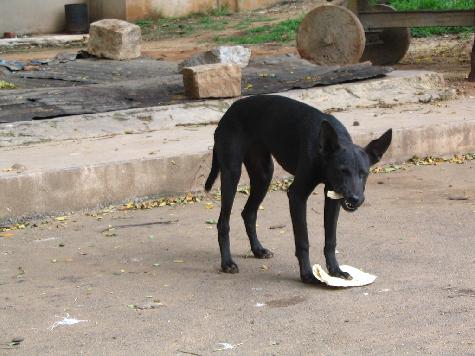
<point x="328" y="140"/>
<point x="376" y="148"/>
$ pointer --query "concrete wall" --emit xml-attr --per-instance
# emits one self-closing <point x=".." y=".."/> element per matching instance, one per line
<point x="245" y="5"/>
<point x="47" y="16"/>
<point x="139" y="9"/>
<point x="174" y="8"/>
<point x="33" y="16"/>
<point x="107" y="9"/>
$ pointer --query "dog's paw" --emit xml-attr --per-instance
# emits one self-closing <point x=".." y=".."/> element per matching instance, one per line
<point x="310" y="279"/>
<point x="263" y="253"/>
<point x="340" y="274"/>
<point x="230" y="267"/>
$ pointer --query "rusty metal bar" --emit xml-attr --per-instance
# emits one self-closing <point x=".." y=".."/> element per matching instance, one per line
<point x="388" y="19"/>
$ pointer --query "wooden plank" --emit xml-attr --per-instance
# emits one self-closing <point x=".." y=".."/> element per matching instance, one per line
<point x="471" y="76"/>
<point x="352" y="5"/>
<point x="363" y="5"/>
<point x="388" y="19"/>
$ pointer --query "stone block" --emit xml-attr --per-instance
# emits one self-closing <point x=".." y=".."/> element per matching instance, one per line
<point x="114" y="39"/>
<point x="212" y="81"/>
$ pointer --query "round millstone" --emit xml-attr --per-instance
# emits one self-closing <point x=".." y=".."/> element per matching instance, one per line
<point x="331" y="35"/>
<point x="387" y="45"/>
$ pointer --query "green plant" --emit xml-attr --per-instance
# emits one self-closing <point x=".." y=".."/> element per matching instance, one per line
<point x="145" y="24"/>
<point x="221" y="11"/>
<point x="6" y="85"/>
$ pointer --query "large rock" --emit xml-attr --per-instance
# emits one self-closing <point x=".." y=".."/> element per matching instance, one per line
<point x="114" y="39"/>
<point x="224" y="54"/>
<point x="212" y="81"/>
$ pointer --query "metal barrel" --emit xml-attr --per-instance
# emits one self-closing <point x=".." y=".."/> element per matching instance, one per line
<point x="77" y="18"/>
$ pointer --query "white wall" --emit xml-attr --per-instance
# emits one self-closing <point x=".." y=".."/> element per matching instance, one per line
<point x="33" y="16"/>
<point x="47" y="16"/>
<point x="107" y="9"/>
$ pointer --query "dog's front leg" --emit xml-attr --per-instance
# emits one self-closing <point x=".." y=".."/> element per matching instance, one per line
<point x="332" y="210"/>
<point x="298" y="196"/>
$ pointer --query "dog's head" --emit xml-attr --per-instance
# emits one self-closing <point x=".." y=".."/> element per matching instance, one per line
<point x="347" y="165"/>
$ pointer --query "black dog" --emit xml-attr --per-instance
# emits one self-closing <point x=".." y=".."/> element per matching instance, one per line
<point x="312" y="146"/>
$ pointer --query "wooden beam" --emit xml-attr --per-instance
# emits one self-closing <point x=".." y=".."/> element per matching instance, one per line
<point x="352" y="5"/>
<point x="471" y="76"/>
<point x="363" y="5"/>
<point x="388" y="19"/>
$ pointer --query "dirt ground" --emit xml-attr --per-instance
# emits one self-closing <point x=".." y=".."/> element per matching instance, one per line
<point x="151" y="287"/>
<point x="448" y="54"/>
<point x="156" y="289"/>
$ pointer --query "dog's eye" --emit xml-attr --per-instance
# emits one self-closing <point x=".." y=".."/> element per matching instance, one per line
<point x="345" y="171"/>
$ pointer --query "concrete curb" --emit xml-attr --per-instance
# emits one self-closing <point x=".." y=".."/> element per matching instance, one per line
<point x="92" y="186"/>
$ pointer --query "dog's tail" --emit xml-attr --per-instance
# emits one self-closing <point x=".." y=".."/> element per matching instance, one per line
<point x="214" y="172"/>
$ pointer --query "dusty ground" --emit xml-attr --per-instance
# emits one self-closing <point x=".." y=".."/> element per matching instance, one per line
<point x="413" y="232"/>
<point x="448" y="54"/>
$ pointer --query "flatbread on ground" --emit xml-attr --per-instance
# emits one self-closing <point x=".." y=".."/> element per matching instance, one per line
<point x="360" y="278"/>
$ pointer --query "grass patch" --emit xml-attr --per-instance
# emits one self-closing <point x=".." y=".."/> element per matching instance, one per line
<point x="432" y="4"/>
<point x="212" y="23"/>
<point x="163" y="28"/>
<point x="411" y="5"/>
<point x="248" y="21"/>
<point x="213" y="20"/>
<point x="281" y="32"/>
<point x="145" y="24"/>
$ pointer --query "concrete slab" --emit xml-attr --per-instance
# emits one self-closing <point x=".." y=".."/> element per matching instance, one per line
<point x="90" y="86"/>
<point x="43" y="41"/>
<point x="57" y="168"/>
<point x="398" y="87"/>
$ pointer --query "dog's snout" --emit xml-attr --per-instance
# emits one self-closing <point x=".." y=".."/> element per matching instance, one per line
<point x="355" y="200"/>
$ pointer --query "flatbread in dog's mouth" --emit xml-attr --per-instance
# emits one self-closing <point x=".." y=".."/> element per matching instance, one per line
<point x="360" y="278"/>
<point x="334" y="195"/>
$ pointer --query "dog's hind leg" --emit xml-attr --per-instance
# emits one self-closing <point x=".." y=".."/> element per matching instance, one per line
<point x="260" y="168"/>
<point x="230" y="157"/>
<point x="229" y="182"/>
